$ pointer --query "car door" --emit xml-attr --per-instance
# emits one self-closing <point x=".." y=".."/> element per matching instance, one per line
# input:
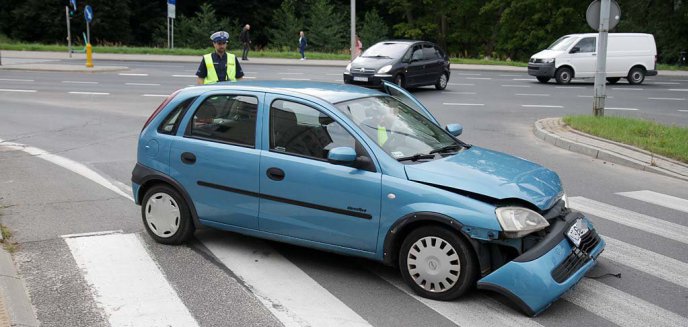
<point x="408" y="99"/>
<point x="433" y="64"/>
<point x="216" y="160"/>
<point x="302" y="194"/>
<point x="584" y="57"/>
<point x="415" y="70"/>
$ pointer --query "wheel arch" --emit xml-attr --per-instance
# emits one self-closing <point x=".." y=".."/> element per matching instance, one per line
<point x="148" y="178"/>
<point x="573" y="70"/>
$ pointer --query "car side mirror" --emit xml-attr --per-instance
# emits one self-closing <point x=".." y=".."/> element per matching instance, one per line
<point x="343" y="155"/>
<point x="575" y="50"/>
<point x="454" y="129"/>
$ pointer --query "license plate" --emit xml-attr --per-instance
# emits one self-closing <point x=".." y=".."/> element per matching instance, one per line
<point x="576" y="232"/>
<point x="360" y="78"/>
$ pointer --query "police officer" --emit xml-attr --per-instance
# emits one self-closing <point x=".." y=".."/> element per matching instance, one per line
<point x="219" y="66"/>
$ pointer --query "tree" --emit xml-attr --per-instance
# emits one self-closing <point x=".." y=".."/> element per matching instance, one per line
<point x="325" y="26"/>
<point x="194" y="32"/>
<point x="284" y="32"/>
<point x="374" y="29"/>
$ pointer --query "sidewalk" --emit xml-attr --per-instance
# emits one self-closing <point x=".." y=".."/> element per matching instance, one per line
<point x="554" y="131"/>
<point x="15" y="306"/>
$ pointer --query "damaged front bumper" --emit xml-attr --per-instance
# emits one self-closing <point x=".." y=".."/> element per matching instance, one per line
<point x="544" y="273"/>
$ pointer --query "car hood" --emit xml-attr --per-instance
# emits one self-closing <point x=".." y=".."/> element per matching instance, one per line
<point x="493" y="174"/>
<point x="547" y="54"/>
<point x="374" y="63"/>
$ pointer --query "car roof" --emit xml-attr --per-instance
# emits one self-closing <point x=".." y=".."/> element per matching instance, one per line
<point x="330" y="92"/>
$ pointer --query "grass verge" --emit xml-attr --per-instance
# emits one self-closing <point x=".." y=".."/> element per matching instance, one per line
<point x="668" y="141"/>
<point x="6" y="242"/>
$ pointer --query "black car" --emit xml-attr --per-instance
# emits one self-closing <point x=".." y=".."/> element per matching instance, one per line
<point x="404" y="62"/>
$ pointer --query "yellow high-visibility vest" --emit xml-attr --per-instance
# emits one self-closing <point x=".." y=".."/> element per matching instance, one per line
<point x="212" y="78"/>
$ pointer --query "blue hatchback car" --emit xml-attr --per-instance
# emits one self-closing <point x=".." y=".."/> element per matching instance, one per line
<point x="365" y="173"/>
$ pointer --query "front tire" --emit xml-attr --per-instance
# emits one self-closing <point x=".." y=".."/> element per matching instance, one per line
<point x="442" y="82"/>
<point x="543" y="79"/>
<point x="437" y="264"/>
<point x="400" y="80"/>
<point x="563" y="75"/>
<point x="636" y="76"/>
<point x="166" y="215"/>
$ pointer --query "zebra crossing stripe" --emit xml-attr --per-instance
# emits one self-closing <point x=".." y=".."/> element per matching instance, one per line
<point x="126" y="283"/>
<point x="629" y="218"/>
<point x="668" y="269"/>
<point x="660" y="199"/>
<point x="619" y="307"/>
<point x="286" y="290"/>
<point x="479" y="310"/>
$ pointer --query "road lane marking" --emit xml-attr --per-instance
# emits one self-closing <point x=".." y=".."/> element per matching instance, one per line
<point x="21" y="91"/>
<point x="623" y="109"/>
<point x="679" y="90"/>
<point x="468" y="74"/>
<point x="508" y="75"/>
<point x="248" y="77"/>
<point x="143" y="84"/>
<point x="651" y="263"/>
<point x="507" y="85"/>
<point x="533" y="94"/>
<point x="78" y="82"/>
<point x="155" y="95"/>
<point x="479" y="310"/>
<point x="340" y="74"/>
<point x="295" y="79"/>
<point x="569" y="87"/>
<point x="16" y="80"/>
<point x="462" y="104"/>
<point x="592" y="96"/>
<point x="132" y="74"/>
<point x="540" y="106"/>
<point x="682" y="110"/>
<point x="670" y="99"/>
<point x="523" y="79"/>
<point x="88" y="93"/>
<point x="126" y="283"/>
<point x="453" y="92"/>
<point x="461" y="84"/>
<point x="631" y="219"/>
<point x="482" y="78"/>
<point x="659" y="199"/>
<point x="620" y="307"/>
<point x="627" y="89"/>
<point x="286" y="290"/>
<point x="68" y="164"/>
<point x="184" y="76"/>
<point x="665" y="83"/>
<point x="679" y="80"/>
<point x="289" y="73"/>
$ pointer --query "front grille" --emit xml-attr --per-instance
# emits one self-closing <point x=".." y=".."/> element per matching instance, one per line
<point x="536" y="61"/>
<point x="363" y="71"/>
<point x="578" y="257"/>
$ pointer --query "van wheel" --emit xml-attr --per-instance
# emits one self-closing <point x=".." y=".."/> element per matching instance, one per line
<point x="399" y="80"/>
<point x="437" y="263"/>
<point x="636" y="75"/>
<point x="166" y="215"/>
<point x="563" y="75"/>
<point x="442" y="82"/>
<point x="613" y="80"/>
<point x="543" y="79"/>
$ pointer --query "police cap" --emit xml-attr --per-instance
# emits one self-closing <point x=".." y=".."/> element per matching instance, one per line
<point x="220" y="36"/>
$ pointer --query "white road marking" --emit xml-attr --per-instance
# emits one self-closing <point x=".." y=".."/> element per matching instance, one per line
<point x="627" y="89"/>
<point x="288" y="292"/>
<point x="452" y="92"/>
<point x="508" y="75"/>
<point x="248" y="77"/>
<point x="69" y="164"/>
<point x="143" y="84"/>
<point x="623" y="109"/>
<point x="462" y="104"/>
<point x="126" y="283"/>
<point x="155" y="95"/>
<point x="21" y="91"/>
<point x="89" y="93"/>
<point x="507" y="85"/>
<point x="106" y="232"/>
<point x="533" y="94"/>
<point x="540" y="106"/>
<point x="591" y="96"/>
<point x="289" y="73"/>
<point x="295" y="79"/>
<point x="132" y="74"/>
<point x="679" y="80"/>
<point x="484" y="78"/>
<point x="660" y="199"/>
<point x="569" y="87"/>
<point x="619" y="307"/>
<point x="651" y="263"/>
<point x="632" y="219"/>
<point x="671" y="99"/>
<point x="665" y="83"/>
<point x="523" y="79"/>
<point x="469" y="74"/>
<point x="16" y="80"/>
<point x="679" y="90"/>
<point x="682" y="110"/>
<point x="78" y="82"/>
<point x="479" y="310"/>
<point x="340" y="74"/>
<point x="184" y="76"/>
<point x="461" y="84"/>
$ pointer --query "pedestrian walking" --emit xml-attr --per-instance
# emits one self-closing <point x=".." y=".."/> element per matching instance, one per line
<point x="245" y="41"/>
<point x="220" y="65"/>
<point x="359" y="47"/>
<point x="303" y="43"/>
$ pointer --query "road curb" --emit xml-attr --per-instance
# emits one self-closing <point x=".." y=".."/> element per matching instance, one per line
<point x="15" y="305"/>
<point x="554" y="131"/>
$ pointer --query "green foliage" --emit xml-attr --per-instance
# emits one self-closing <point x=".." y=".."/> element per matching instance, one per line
<point x="284" y="32"/>
<point x="373" y="30"/>
<point x="325" y="27"/>
<point x="194" y="32"/>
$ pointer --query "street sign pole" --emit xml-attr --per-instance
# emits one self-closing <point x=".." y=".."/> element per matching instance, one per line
<point x="69" y="32"/>
<point x="172" y="32"/>
<point x="353" y="29"/>
<point x="601" y="72"/>
<point x="171" y="13"/>
<point x="88" y="15"/>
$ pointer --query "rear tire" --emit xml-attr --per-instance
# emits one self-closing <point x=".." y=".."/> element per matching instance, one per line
<point x="613" y="80"/>
<point x="636" y="75"/>
<point x="437" y="263"/>
<point x="442" y="82"/>
<point x="543" y="79"/>
<point x="563" y="75"/>
<point x="166" y="215"/>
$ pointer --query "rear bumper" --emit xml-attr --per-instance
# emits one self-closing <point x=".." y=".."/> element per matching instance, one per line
<point x="533" y="281"/>
<point x="541" y="69"/>
<point x="651" y="73"/>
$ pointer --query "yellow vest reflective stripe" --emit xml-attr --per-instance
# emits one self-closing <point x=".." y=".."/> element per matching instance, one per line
<point x="211" y="77"/>
<point x="381" y="135"/>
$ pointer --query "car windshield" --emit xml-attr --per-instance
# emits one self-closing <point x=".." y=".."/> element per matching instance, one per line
<point x="400" y="131"/>
<point x="386" y="50"/>
<point x="562" y="43"/>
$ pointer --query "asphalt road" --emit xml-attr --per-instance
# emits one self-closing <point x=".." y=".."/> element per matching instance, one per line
<point x="94" y="120"/>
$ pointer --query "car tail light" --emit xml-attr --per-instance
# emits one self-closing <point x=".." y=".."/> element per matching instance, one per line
<point x="160" y="107"/>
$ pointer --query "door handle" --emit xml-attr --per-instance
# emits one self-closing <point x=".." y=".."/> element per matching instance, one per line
<point x="275" y="174"/>
<point x="188" y="158"/>
<point x="594" y="54"/>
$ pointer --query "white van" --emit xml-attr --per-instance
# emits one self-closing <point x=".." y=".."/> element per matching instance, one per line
<point x="629" y="55"/>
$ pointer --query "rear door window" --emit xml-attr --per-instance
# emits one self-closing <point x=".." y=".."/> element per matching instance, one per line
<point x="171" y="123"/>
<point x="226" y="118"/>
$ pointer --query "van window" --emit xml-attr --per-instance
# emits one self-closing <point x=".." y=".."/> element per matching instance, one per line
<point x="562" y="43"/>
<point x="587" y="44"/>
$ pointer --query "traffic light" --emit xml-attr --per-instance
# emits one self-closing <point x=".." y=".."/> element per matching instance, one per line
<point x="71" y="13"/>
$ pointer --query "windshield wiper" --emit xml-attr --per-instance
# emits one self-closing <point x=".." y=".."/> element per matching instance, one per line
<point x="416" y="157"/>
<point x="447" y="148"/>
